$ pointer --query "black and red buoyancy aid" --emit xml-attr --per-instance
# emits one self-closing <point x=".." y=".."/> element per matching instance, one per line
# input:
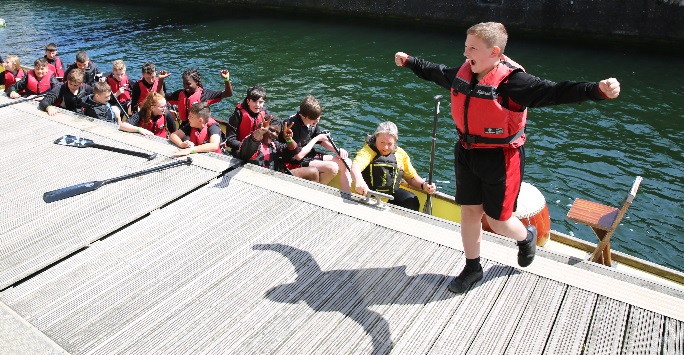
<point x="482" y="118"/>
<point x="10" y="78"/>
<point x="144" y="90"/>
<point x="57" y="68"/>
<point x="185" y="101"/>
<point x="199" y="137"/>
<point x="157" y="126"/>
<point x="248" y="124"/>
<point x="35" y="86"/>
<point x="116" y="85"/>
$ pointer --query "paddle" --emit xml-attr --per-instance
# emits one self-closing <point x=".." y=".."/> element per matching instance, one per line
<point x="337" y="150"/>
<point x="17" y="101"/>
<point x="63" y="193"/>
<point x="121" y="107"/>
<point x="428" y="201"/>
<point x="80" y="142"/>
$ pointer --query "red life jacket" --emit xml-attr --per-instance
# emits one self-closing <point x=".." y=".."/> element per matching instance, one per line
<point x="184" y="103"/>
<point x="144" y="91"/>
<point x="10" y="78"/>
<point x="156" y="126"/>
<point x="199" y="137"/>
<point x="35" y="86"/>
<point x="116" y="85"/>
<point x="482" y="119"/>
<point x="57" y="68"/>
<point x="247" y="123"/>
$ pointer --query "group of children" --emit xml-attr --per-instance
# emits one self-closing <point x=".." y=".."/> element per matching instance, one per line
<point x="252" y="133"/>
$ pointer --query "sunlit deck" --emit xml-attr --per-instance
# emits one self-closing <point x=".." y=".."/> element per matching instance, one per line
<point x="222" y="258"/>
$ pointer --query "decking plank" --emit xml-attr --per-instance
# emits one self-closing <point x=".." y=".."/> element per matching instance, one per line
<point x="644" y="332"/>
<point x="607" y="330"/>
<point x="572" y="323"/>
<point x="673" y="342"/>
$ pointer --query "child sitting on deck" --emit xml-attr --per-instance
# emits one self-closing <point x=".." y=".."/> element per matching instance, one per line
<point x="13" y="72"/>
<point x="68" y="95"/>
<point x="90" y="71"/>
<point x="37" y="81"/>
<point x="97" y="105"/>
<point x="193" y="91"/>
<point x="118" y="81"/>
<point x="307" y="133"/>
<point x="153" y="117"/>
<point x="54" y="63"/>
<point x="148" y="83"/>
<point x="247" y="117"/>
<point x="262" y="148"/>
<point x="199" y="134"/>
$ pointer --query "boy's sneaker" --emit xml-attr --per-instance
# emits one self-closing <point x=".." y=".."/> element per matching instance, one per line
<point x="527" y="247"/>
<point x="465" y="280"/>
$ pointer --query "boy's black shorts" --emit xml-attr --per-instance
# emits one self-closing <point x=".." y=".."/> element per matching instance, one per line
<point x="491" y="177"/>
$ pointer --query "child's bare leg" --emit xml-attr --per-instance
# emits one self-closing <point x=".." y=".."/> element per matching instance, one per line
<point x="309" y="173"/>
<point x="345" y="177"/>
<point x="327" y="169"/>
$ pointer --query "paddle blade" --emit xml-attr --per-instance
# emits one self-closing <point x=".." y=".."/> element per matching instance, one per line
<point x="74" y="141"/>
<point x="66" y="192"/>
<point x="427" y="209"/>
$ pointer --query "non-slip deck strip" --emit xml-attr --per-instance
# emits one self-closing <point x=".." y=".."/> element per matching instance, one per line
<point x="248" y="269"/>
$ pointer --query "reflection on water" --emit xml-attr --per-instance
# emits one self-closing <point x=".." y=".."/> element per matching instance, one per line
<point x="592" y="151"/>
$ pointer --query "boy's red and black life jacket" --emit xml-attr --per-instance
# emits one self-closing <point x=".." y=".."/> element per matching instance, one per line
<point x="116" y="85"/>
<point x="35" y="86"/>
<point x="199" y="137"/>
<point x="483" y="119"/>
<point x="10" y="78"/>
<point x="57" y="67"/>
<point x="144" y="90"/>
<point x="248" y="124"/>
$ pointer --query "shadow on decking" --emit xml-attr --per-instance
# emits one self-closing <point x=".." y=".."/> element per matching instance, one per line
<point x="352" y="292"/>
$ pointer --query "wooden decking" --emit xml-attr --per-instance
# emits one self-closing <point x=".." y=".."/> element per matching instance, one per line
<point x="197" y="259"/>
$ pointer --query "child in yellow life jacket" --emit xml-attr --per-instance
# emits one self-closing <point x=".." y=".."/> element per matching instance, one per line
<point x="381" y="165"/>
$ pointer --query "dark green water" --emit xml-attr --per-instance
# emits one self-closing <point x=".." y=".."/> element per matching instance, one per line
<point x="592" y="151"/>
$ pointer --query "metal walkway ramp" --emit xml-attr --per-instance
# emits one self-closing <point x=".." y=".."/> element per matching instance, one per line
<point x="259" y="262"/>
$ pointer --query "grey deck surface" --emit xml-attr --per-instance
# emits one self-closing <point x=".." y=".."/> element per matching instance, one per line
<point x="256" y="262"/>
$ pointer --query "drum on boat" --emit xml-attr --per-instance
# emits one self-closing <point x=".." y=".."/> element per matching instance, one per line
<point x="531" y="210"/>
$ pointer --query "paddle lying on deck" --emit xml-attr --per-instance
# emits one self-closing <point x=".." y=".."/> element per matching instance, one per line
<point x="18" y="101"/>
<point x="337" y="150"/>
<point x="80" y="142"/>
<point x="56" y="195"/>
<point x="428" y="201"/>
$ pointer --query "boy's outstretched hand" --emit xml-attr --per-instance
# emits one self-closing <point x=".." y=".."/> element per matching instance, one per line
<point x="163" y="74"/>
<point x="610" y="87"/>
<point x="400" y="58"/>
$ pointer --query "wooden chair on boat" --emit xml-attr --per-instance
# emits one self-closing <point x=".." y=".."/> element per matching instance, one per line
<point x="603" y="220"/>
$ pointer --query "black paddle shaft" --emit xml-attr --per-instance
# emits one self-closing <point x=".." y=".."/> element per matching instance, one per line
<point x="337" y="150"/>
<point x="66" y="192"/>
<point x="125" y="151"/>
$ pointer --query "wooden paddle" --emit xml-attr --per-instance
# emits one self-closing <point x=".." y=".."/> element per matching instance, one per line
<point x="81" y="142"/>
<point x="428" y="200"/>
<point x="66" y="192"/>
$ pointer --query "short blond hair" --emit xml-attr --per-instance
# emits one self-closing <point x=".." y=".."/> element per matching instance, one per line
<point x="492" y="33"/>
<point x="118" y="65"/>
<point x="14" y="60"/>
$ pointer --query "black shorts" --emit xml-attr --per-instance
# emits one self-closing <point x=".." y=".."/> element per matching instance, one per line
<point x="490" y="177"/>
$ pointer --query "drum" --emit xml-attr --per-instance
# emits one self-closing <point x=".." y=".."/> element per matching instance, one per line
<point x="531" y="210"/>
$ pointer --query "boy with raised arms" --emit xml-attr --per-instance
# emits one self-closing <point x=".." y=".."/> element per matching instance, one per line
<point x="490" y="94"/>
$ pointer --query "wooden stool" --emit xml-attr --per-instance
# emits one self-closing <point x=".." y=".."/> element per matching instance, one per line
<point x="603" y="220"/>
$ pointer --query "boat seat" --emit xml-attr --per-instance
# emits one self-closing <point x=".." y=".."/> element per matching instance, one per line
<point x="603" y="220"/>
